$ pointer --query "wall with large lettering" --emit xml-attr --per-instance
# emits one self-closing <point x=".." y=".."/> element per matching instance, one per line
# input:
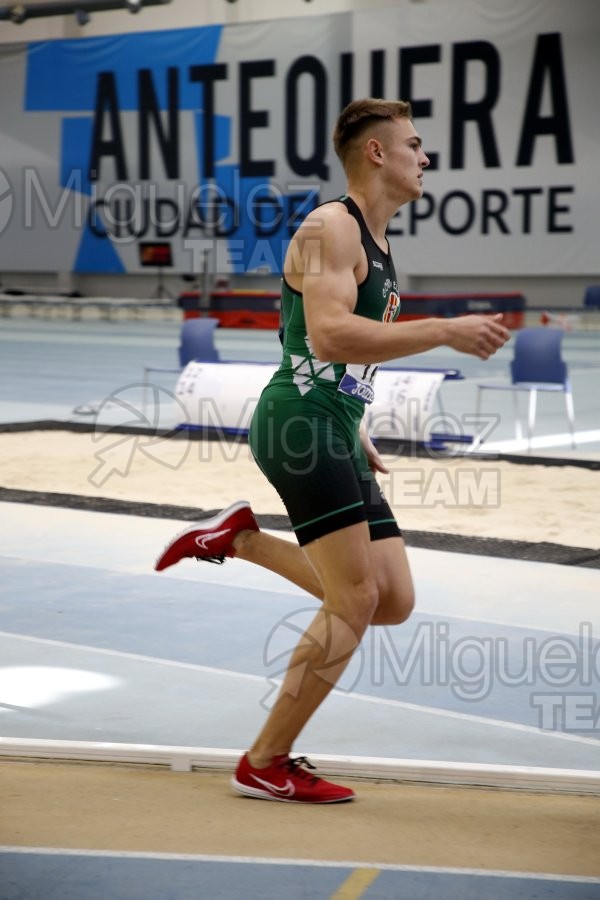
<point x="217" y="139"/>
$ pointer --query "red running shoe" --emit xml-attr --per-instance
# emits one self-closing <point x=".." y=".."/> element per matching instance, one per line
<point x="287" y="781"/>
<point x="212" y="539"/>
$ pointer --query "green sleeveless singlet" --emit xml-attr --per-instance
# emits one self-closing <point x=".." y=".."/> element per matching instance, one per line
<point x="377" y="298"/>
<point x="304" y="433"/>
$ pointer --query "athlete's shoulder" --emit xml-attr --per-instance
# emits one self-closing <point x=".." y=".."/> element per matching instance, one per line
<point x="329" y="238"/>
<point x="332" y="222"/>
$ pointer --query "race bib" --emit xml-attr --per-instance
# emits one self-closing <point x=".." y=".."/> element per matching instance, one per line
<point x="358" y="381"/>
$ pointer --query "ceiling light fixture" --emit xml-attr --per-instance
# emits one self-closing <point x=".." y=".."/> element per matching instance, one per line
<point x="21" y="12"/>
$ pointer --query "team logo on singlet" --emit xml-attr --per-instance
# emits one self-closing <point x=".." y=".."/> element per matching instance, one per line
<point x="393" y="305"/>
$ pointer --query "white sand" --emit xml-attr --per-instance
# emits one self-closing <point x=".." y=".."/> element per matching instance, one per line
<point x="458" y="496"/>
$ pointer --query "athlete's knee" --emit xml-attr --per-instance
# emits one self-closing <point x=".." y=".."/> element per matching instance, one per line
<point x="405" y="606"/>
<point x="356" y="602"/>
<point x="364" y="600"/>
<point x="395" y="608"/>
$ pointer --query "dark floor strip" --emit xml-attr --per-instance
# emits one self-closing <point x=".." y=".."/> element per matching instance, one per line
<point x="428" y="540"/>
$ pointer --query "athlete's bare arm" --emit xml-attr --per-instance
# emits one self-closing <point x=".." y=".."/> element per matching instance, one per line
<point x="325" y="263"/>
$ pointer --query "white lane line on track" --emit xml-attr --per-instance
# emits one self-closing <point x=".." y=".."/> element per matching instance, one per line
<point x="277" y="861"/>
<point x="363" y="698"/>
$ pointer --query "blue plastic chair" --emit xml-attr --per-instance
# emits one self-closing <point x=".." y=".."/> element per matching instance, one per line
<point x="591" y="298"/>
<point x="537" y="366"/>
<point x="198" y="341"/>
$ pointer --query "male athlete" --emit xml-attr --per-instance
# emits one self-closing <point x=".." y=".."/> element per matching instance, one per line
<point x="339" y="300"/>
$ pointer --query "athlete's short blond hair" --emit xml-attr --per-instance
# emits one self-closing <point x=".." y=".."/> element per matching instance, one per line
<point x="356" y="118"/>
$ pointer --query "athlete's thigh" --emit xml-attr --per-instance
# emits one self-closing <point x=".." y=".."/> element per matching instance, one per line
<point x="394" y="581"/>
<point x="388" y="554"/>
<point x="343" y="562"/>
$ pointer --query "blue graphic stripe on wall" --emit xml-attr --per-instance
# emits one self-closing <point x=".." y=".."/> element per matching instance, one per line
<point x="62" y="75"/>
<point x="75" y="143"/>
<point x="96" y="254"/>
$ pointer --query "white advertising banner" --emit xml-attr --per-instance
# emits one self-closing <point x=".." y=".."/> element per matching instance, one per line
<point x="125" y="151"/>
<point x="405" y="405"/>
<point x="222" y="396"/>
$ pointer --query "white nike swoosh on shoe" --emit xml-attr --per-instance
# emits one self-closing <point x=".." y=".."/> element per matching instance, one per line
<point x="288" y="790"/>
<point x="201" y="541"/>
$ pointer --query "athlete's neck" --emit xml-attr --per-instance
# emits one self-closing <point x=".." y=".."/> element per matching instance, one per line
<point x="376" y="212"/>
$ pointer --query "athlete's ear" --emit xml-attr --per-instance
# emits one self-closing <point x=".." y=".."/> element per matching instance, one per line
<point x="375" y="151"/>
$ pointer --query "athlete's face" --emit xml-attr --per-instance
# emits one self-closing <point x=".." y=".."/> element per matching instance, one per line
<point x="404" y="159"/>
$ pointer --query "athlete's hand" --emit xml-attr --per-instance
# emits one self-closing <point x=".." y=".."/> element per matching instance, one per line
<point x="479" y="336"/>
<point x="375" y="462"/>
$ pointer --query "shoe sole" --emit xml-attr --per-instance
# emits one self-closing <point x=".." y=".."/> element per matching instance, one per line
<point x="258" y="794"/>
<point x="212" y="522"/>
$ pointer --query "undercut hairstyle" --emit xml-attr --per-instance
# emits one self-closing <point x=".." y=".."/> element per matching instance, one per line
<point x="356" y="118"/>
